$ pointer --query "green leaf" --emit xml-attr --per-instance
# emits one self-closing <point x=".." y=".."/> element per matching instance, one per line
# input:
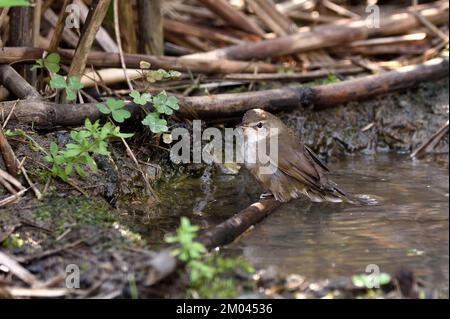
<point x="103" y="108"/>
<point x="75" y="83"/>
<point x="79" y="170"/>
<point x="114" y="104"/>
<point x="71" y="95"/>
<point x="367" y="281"/>
<point x="117" y="133"/>
<point x="165" y="104"/>
<point x="72" y="153"/>
<point x="58" y="82"/>
<point x="51" y="62"/>
<point x="53" y="148"/>
<point x="141" y="99"/>
<point x="173" y="74"/>
<point x="156" y="124"/>
<point x="39" y="65"/>
<point x="69" y="169"/>
<point x="91" y="163"/>
<point x="53" y="58"/>
<point x="120" y="115"/>
<point x="14" y="3"/>
<point x="172" y="102"/>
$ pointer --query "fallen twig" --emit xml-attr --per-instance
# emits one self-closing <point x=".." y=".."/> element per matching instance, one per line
<point x="8" y="155"/>
<point x="45" y="114"/>
<point x="328" y="35"/>
<point x="106" y="59"/>
<point x="432" y="142"/>
<point x="16" y="269"/>
<point x="163" y="263"/>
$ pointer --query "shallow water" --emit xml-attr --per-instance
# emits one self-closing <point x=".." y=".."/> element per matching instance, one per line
<point x="410" y="229"/>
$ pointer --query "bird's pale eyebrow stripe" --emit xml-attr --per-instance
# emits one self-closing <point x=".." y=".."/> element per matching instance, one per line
<point x="255" y="123"/>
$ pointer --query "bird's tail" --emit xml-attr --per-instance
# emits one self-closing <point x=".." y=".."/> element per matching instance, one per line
<point x="362" y="200"/>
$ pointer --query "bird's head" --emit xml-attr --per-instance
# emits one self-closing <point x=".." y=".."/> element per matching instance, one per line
<point x="259" y="119"/>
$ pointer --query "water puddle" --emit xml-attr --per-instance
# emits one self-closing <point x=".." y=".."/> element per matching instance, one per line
<point x="410" y="229"/>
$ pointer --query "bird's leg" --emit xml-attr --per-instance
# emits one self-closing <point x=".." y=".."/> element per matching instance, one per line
<point x="266" y="196"/>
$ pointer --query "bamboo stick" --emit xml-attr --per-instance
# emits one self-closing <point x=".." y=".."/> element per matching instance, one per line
<point x="329" y="35"/>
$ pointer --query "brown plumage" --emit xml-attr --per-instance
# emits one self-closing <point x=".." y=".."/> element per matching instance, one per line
<point x="297" y="170"/>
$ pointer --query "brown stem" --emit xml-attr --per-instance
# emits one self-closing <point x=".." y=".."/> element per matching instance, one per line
<point x="8" y="155"/>
<point x="59" y="29"/>
<point x="93" y="23"/>
<point x="150" y="25"/>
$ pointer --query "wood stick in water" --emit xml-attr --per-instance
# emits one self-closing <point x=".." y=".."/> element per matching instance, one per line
<point x="164" y="264"/>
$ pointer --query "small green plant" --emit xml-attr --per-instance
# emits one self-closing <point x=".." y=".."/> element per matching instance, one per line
<point x="368" y="281"/>
<point x="92" y="139"/>
<point x="164" y="105"/>
<point x="50" y="62"/>
<point x="13" y="241"/>
<point x="14" y="3"/>
<point x="71" y="85"/>
<point x="115" y="108"/>
<point x="162" y="102"/>
<point x="155" y="123"/>
<point x="331" y="78"/>
<point x="141" y="99"/>
<point x="206" y="272"/>
<point x="160" y="75"/>
<point x="189" y="249"/>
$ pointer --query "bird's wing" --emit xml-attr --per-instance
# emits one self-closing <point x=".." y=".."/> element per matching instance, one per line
<point x="316" y="158"/>
<point x="301" y="163"/>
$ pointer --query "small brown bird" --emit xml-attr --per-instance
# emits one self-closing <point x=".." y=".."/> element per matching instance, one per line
<point x="293" y="169"/>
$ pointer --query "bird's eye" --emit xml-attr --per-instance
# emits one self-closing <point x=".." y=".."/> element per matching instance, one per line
<point x="259" y="125"/>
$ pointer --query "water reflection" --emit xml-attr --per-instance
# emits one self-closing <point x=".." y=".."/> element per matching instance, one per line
<point x="410" y="228"/>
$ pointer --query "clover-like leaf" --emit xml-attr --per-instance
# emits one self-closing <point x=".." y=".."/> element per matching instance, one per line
<point x="120" y="115"/>
<point x="114" y="104"/>
<point x="172" y="102"/>
<point x="75" y="83"/>
<point x="155" y="123"/>
<point x="165" y="104"/>
<point x="141" y="99"/>
<point x="116" y="109"/>
<point x="51" y="62"/>
<point x="103" y="108"/>
<point x="72" y="86"/>
<point x="154" y="76"/>
<point x="58" y="82"/>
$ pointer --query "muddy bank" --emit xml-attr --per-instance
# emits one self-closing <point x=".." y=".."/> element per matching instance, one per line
<point x="396" y="122"/>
